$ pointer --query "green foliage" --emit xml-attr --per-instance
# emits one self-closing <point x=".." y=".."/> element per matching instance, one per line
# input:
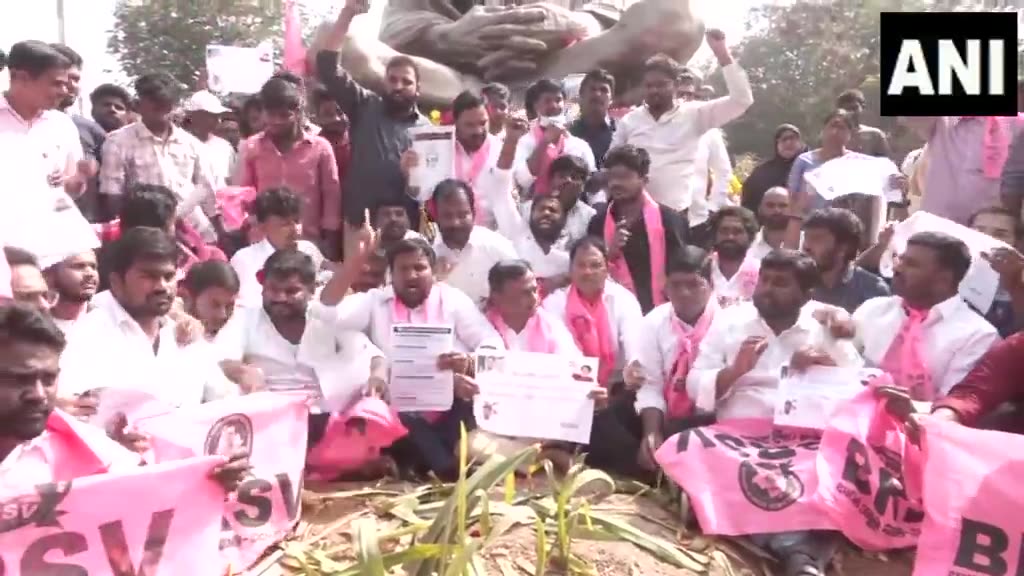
<point x="799" y="57"/>
<point x="166" y="36"/>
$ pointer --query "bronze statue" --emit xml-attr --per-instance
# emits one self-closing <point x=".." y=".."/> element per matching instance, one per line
<point x="458" y="44"/>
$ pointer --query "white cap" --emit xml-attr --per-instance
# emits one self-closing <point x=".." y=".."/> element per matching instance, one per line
<point x="205" y="101"/>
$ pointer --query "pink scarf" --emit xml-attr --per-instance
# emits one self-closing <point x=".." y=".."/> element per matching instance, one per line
<point x="904" y="360"/>
<point x="678" y="402"/>
<point x="468" y="167"/>
<point x="655" y="239"/>
<point x="747" y="276"/>
<point x="538" y="331"/>
<point x="542" y="182"/>
<point x="433" y="309"/>
<point x="592" y="332"/>
<point x="996" y="145"/>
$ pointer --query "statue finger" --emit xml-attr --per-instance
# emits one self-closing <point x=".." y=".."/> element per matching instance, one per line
<point x="525" y="16"/>
<point x="524" y="46"/>
<point x="511" y="69"/>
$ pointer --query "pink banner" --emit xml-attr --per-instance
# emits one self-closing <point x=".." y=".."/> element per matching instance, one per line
<point x="163" y="520"/>
<point x="973" y="524"/>
<point x="864" y="452"/>
<point x="272" y="427"/>
<point x="773" y="470"/>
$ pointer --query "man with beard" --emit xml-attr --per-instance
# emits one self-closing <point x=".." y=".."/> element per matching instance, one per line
<point x="832" y="237"/>
<point x="27" y="283"/>
<point x="74" y="281"/>
<point x="273" y="347"/>
<point x="285" y="155"/>
<point x="379" y="122"/>
<point x="391" y="221"/>
<point x="414" y="297"/>
<point x="549" y="138"/>
<point x="90" y="134"/>
<point x="594" y="125"/>
<point x="476" y="151"/>
<point x="774" y="215"/>
<point x="925" y="335"/>
<point x="641" y="235"/>
<point x="741" y="360"/>
<point x="733" y="272"/>
<point x="334" y="127"/>
<point x="130" y="342"/>
<point x="110" y="106"/>
<point x="537" y="239"/>
<point x="497" y="96"/>
<point x="466" y="251"/>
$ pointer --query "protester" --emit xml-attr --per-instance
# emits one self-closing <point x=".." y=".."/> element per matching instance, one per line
<point x="641" y="234"/>
<point x="90" y="134"/>
<point x="1007" y="310"/>
<point x="594" y="125"/>
<point x="28" y="285"/>
<point x="379" y="123"/>
<point x="110" y="106"/>
<point x="711" y="183"/>
<point x="155" y="151"/>
<point x="549" y="138"/>
<point x="832" y="237"/>
<point x="250" y="121"/>
<point x="209" y="291"/>
<point x="203" y="113"/>
<point x="513" y="308"/>
<point x="733" y="271"/>
<point x="774" y="215"/>
<point x="671" y="131"/>
<point x="497" y="97"/>
<point x="786" y="146"/>
<point x="334" y="127"/>
<point x="74" y="282"/>
<point x="866" y="139"/>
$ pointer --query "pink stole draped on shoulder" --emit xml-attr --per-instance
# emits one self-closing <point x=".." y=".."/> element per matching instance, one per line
<point x="433" y="311"/>
<point x="590" y="327"/>
<point x="538" y="331"/>
<point x="542" y="181"/>
<point x="904" y="360"/>
<point x="678" y="402"/>
<point x="618" y="267"/>
<point x="996" y="144"/>
<point x="468" y="167"/>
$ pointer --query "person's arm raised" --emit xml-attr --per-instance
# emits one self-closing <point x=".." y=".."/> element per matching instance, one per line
<point x="719" y="111"/>
<point x="359" y="243"/>
<point x="349" y="95"/>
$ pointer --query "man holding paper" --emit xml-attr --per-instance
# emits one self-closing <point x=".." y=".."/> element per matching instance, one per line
<point x="416" y="314"/>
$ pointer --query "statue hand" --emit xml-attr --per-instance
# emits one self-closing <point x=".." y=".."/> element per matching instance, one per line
<point x="463" y="40"/>
<point x="557" y="29"/>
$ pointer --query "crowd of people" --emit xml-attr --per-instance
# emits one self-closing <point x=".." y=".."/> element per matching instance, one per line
<point x="609" y="237"/>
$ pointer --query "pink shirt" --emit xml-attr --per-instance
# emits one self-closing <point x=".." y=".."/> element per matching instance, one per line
<point x="308" y="169"/>
<point x="66" y="450"/>
<point x="47" y="144"/>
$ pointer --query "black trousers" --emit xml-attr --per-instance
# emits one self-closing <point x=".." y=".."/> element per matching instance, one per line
<point x="615" y="436"/>
<point x="431" y="446"/>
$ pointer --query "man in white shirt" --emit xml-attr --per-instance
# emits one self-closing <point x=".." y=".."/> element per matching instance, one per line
<point x="130" y="342"/>
<point x="465" y="250"/>
<point x="670" y="131"/>
<point x="712" y="176"/>
<point x="414" y="297"/>
<point x="733" y="272"/>
<point x="773" y="214"/>
<point x="669" y="340"/>
<point x="746" y="352"/>
<point x="476" y="149"/>
<point x="549" y="138"/>
<point x="536" y="236"/>
<point x="204" y="111"/>
<point x="950" y="337"/>
<point x="278" y="212"/>
<point x="74" y="280"/>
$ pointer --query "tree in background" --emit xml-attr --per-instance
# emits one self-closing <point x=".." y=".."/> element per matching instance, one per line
<point x="156" y="35"/>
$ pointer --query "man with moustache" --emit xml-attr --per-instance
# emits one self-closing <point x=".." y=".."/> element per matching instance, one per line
<point x="733" y="271"/>
<point x="110" y="106"/>
<point x="741" y="360"/>
<point x="832" y="237"/>
<point x="378" y="122"/>
<point x="74" y="280"/>
<point x="90" y="134"/>
<point x="594" y="125"/>
<point x="130" y="342"/>
<point x="334" y="127"/>
<point x="773" y="214"/>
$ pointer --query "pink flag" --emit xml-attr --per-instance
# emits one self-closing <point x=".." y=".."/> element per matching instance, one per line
<point x="355" y="438"/>
<point x="973" y="523"/>
<point x="160" y="520"/>
<point x="233" y="202"/>
<point x="272" y="427"/>
<point x="5" y="276"/>
<point x="294" y="52"/>
<point x="773" y="471"/>
<point x="864" y="452"/>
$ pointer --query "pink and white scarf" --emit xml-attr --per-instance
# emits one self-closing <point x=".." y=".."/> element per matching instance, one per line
<point x="996" y="144"/>
<point x="542" y="181"/>
<point x="588" y="322"/>
<point x="618" y="268"/>
<point x="538" y="331"/>
<point x="432" y="307"/>
<point x="904" y="360"/>
<point x="678" y="402"/>
<point x="746" y="276"/>
<point x="468" y="167"/>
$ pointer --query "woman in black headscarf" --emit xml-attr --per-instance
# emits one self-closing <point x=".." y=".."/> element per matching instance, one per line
<point x="774" y="172"/>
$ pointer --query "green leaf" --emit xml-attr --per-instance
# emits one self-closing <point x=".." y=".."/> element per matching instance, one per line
<point x="367" y="550"/>
<point x="663" y="550"/>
